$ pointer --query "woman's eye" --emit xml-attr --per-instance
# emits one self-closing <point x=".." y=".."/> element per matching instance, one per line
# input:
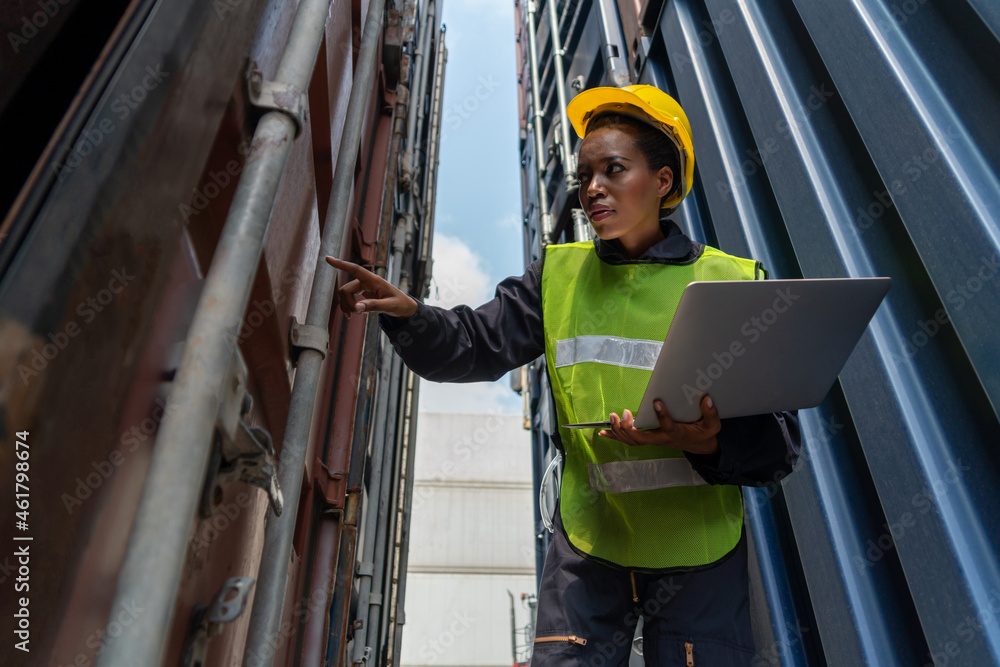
<point x="614" y="168"/>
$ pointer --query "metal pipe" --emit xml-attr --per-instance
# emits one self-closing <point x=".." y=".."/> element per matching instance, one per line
<point x="384" y="516"/>
<point x="541" y="155"/>
<point x="328" y="523"/>
<point x="434" y="150"/>
<point x="404" y="228"/>
<point x="269" y="598"/>
<point x="425" y="63"/>
<point x="412" y="142"/>
<point x="582" y="229"/>
<point x="379" y="616"/>
<point x="366" y="569"/>
<point x="352" y="504"/>
<point x="391" y="463"/>
<point x="366" y="565"/>
<point x="378" y="599"/>
<point x="417" y="93"/>
<point x="360" y="437"/>
<point x="565" y="147"/>
<point x="406" y="509"/>
<point x="154" y="560"/>
<point x="613" y="43"/>
<point x="331" y="531"/>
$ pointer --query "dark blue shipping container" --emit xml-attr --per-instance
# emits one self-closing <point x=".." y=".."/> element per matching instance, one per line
<point x="832" y="139"/>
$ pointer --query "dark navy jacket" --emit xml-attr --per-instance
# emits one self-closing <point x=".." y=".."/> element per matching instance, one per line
<point x="475" y="345"/>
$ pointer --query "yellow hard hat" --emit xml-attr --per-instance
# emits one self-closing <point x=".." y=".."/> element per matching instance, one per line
<point x="654" y="107"/>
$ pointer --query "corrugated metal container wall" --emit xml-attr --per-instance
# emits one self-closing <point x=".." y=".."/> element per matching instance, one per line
<point x="840" y="139"/>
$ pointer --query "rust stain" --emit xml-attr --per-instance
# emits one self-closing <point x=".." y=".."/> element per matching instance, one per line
<point x="287" y="98"/>
<point x="261" y="147"/>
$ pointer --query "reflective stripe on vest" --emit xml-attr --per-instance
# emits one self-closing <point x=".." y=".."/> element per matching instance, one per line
<point x="626" y="476"/>
<point x="614" y="350"/>
<point x="641" y="507"/>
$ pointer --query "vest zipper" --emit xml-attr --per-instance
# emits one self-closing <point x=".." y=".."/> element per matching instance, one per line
<point x="635" y="596"/>
<point x="689" y="652"/>
<point x="573" y="639"/>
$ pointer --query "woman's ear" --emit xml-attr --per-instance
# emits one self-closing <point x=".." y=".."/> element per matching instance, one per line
<point x="666" y="180"/>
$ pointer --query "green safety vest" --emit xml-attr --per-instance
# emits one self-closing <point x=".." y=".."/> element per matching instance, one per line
<point x="643" y="508"/>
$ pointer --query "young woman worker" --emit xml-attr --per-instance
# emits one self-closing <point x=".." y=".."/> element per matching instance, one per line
<point x="636" y="532"/>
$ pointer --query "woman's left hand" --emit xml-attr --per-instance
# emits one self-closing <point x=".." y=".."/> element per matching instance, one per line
<point x="697" y="437"/>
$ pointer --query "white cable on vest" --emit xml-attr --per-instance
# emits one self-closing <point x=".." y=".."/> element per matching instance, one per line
<point x="542" y="508"/>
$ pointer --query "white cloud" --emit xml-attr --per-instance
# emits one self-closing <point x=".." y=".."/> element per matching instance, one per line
<point x="478" y="397"/>
<point x="458" y="275"/>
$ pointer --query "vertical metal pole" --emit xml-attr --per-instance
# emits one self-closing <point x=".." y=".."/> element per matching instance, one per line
<point x="427" y="15"/>
<point x="513" y="628"/>
<point x="541" y="155"/>
<point x="383" y="510"/>
<point x="433" y="153"/>
<point x="413" y="388"/>
<point x="565" y="145"/>
<point x="380" y="595"/>
<point x="613" y="43"/>
<point x="352" y="505"/>
<point x="269" y="598"/>
<point x="582" y="229"/>
<point x="375" y="508"/>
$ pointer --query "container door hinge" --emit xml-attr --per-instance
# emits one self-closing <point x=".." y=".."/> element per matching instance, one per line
<point x="240" y="452"/>
<point x="366" y="655"/>
<point x="206" y="621"/>
<point x="277" y="96"/>
<point x="332" y="486"/>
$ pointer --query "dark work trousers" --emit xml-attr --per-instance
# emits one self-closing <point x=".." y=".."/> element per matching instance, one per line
<point x="691" y="618"/>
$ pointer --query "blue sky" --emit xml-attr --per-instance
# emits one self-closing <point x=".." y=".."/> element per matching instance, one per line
<point x="477" y="236"/>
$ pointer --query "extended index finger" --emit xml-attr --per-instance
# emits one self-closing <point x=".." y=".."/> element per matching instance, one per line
<point x="355" y="270"/>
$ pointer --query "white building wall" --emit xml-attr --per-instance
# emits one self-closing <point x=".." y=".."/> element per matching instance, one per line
<point x="470" y="540"/>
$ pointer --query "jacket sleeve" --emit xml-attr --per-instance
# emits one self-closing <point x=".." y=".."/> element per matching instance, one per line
<point x="753" y="451"/>
<point x="466" y="344"/>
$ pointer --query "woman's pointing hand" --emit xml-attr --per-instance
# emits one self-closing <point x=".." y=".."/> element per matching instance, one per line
<point x="370" y="293"/>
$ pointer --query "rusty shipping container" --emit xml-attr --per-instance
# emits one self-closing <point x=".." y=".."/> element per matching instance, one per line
<point x="206" y="466"/>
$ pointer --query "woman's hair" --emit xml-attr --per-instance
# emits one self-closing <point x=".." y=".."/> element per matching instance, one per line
<point x="655" y="146"/>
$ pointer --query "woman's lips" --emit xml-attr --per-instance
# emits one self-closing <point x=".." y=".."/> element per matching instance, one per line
<point x="600" y="214"/>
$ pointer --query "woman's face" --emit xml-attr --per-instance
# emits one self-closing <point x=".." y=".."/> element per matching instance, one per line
<point x="619" y="193"/>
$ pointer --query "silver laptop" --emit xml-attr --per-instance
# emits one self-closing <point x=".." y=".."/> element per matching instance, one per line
<point x="756" y="346"/>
